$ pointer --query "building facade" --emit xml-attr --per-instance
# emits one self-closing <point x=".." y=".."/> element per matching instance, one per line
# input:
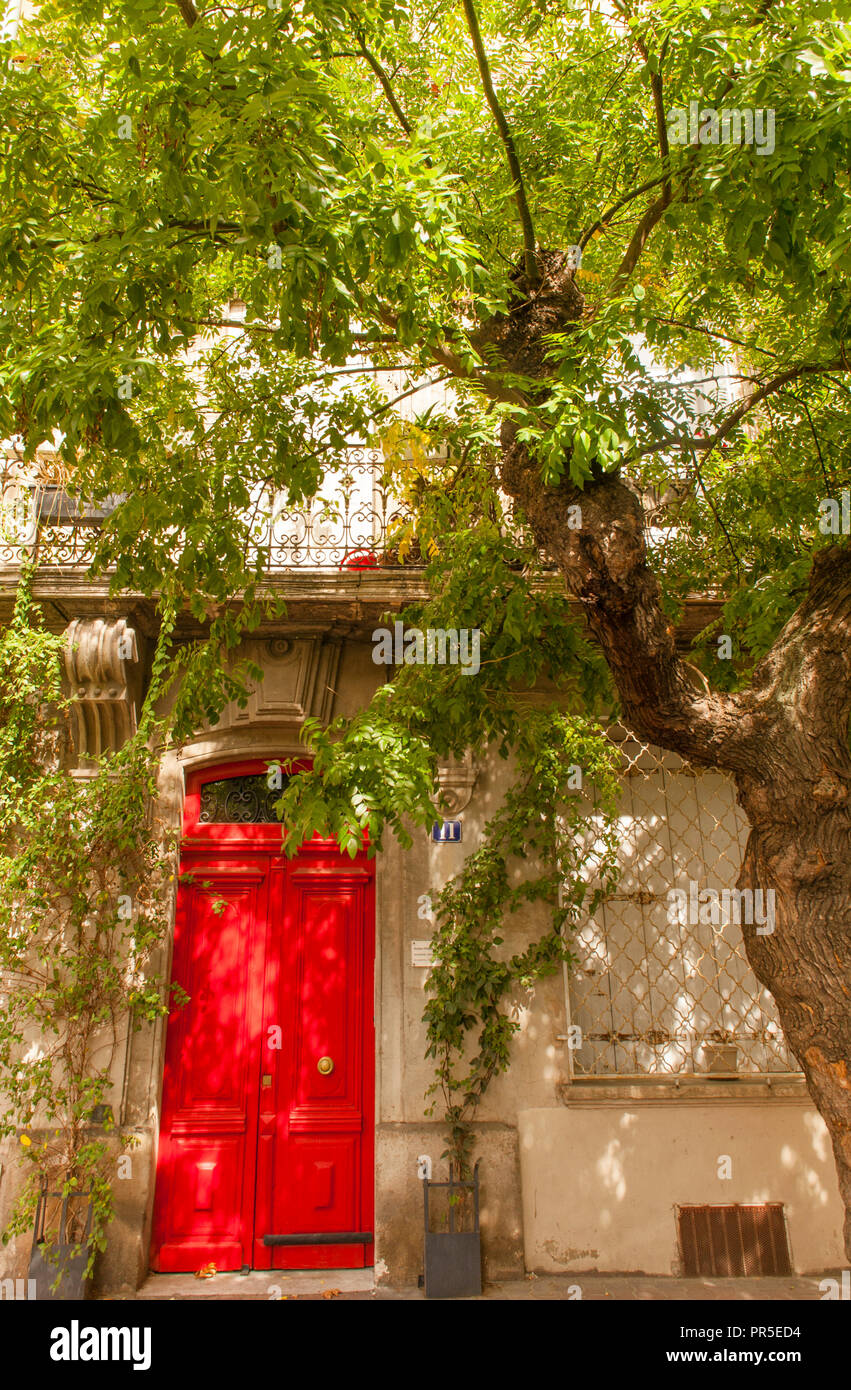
<point x="652" y="1116"/>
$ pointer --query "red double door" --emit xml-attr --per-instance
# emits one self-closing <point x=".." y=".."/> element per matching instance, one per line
<point x="266" y="1136"/>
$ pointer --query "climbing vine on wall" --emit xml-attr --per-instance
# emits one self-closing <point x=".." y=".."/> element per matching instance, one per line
<point x="549" y="850"/>
<point x="89" y="874"/>
<point x="552" y="844"/>
<point x="87" y="877"/>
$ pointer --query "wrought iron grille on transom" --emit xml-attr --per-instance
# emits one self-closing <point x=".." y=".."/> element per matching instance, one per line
<point x="245" y="800"/>
<point x="655" y="997"/>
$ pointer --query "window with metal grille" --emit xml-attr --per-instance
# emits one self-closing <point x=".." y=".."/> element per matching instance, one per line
<point x="734" y="1240"/>
<point x="245" y="800"/>
<point x="656" y="996"/>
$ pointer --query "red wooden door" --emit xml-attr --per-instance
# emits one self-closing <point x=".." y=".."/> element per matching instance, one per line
<point x="266" y="1136"/>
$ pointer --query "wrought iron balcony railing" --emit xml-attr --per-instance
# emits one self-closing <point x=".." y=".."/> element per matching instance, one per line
<point x="356" y="524"/>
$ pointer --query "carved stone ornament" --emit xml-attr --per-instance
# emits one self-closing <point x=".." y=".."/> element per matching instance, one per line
<point x="98" y="656"/>
<point x="299" y="679"/>
<point x="457" y="782"/>
<point x="279" y="648"/>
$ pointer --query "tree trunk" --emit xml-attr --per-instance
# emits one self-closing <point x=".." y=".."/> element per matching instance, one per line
<point x="785" y="739"/>
<point x="796" y="798"/>
<point x="804" y="963"/>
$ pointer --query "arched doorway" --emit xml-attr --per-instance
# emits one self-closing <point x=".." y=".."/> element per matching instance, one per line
<point x="266" y="1139"/>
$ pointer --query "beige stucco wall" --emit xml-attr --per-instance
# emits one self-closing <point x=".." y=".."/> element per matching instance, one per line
<point x="403" y="877"/>
<point x="601" y="1181"/>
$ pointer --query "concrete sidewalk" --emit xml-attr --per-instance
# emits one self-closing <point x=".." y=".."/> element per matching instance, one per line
<point x="358" y="1284"/>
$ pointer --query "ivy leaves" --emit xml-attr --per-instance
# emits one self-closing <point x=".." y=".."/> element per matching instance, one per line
<point x="550" y="850"/>
<point x="86" y="878"/>
<point x="533" y="854"/>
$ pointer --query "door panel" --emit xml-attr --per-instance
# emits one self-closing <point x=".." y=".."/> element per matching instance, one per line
<point x="319" y="1178"/>
<point x="205" y="1178"/>
<point x="255" y="1140"/>
<point x="325" y="931"/>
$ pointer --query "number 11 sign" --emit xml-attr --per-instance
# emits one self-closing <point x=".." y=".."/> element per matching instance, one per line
<point x="446" y="831"/>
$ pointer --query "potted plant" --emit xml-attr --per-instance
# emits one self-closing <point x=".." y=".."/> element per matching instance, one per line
<point x="65" y="1203"/>
<point x="453" y="1243"/>
<point x="61" y="1249"/>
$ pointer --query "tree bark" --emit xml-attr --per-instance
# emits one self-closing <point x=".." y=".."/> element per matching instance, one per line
<point x="785" y="739"/>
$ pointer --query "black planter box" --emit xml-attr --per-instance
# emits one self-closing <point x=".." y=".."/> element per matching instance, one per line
<point x="453" y="1258"/>
<point x="62" y="1257"/>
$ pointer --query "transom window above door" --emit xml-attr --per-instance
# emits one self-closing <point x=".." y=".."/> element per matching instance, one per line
<point x="246" y="800"/>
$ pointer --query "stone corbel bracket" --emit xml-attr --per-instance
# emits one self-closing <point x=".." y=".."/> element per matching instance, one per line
<point x="458" y="782"/>
<point x="98" y="656"/>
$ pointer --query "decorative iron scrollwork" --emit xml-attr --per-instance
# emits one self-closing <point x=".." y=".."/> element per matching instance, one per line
<point x="240" y="800"/>
<point x="357" y="523"/>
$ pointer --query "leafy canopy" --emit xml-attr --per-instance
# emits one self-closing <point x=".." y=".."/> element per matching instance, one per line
<point x="340" y="169"/>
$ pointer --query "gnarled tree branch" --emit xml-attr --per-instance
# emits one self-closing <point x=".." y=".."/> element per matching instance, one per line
<point x="385" y="85"/>
<point x="189" y="12"/>
<point x="530" y="262"/>
<point x="604" y="562"/>
<point x="769" y="388"/>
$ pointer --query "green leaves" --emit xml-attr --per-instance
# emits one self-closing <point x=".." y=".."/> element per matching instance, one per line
<point x="533" y="856"/>
<point x="379" y="775"/>
<point x="151" y="173"/>
<point x="85" y="903"/>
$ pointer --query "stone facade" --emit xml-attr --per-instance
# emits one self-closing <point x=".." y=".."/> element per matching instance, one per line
<point x="581" y="1169"/>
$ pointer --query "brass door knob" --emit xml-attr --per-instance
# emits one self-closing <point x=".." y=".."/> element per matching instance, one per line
<point x="325" y="1066"/>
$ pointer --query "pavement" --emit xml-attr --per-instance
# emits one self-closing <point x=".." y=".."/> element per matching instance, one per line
<point x="359" y="1285"/>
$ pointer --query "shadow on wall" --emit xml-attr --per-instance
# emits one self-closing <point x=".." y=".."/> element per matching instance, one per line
<point x="601" y="1183"/>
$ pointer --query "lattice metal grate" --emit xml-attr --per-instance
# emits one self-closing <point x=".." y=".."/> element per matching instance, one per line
<point x="734" y="1240"/>
<point x="656" y="997"/>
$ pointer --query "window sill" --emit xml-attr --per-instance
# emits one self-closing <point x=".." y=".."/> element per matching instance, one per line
<point x="694" y="1088"/>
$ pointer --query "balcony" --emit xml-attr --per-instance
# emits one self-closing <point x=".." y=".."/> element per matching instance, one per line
<point x="354" y="526"/>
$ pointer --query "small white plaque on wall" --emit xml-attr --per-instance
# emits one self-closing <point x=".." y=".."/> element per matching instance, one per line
<point x="421" y="953"/>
